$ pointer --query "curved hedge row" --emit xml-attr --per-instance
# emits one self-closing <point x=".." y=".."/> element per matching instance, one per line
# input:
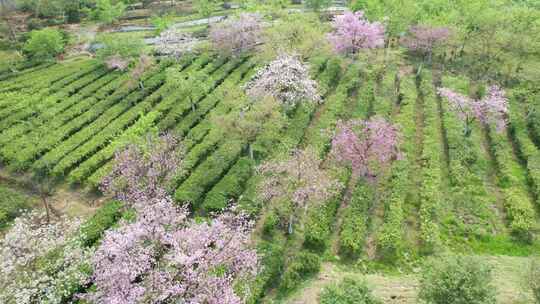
<point x="17" y="130"/>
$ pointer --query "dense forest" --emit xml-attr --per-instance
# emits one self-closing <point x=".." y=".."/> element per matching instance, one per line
<point x="270" y="151"/>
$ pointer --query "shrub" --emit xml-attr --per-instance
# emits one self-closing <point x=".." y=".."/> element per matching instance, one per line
<point x="44" y="44"/>
<point x="299" y="268"/>
<point x="93" y="229"/>
<point x="12" y="204"/>
<point x="349" y="291"/>
<point x="457" y="280"/>
<point x="272" y="261"/>
<point x="107" y="12"/>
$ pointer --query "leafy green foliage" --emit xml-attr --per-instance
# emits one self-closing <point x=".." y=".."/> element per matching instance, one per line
<point x="12" y="204"/>
<point x="230" y="187"/>
<point x="44" y="44"/>
<point x="161" y="23"/>
<point x="93" y="229"/>
<point x="355" y="220"/>
<point x="107" y="12"/>
<point x="348" y="291"/>
<point x="125" y="47"/>
<point x="302" y="265"/>
<point x="457" y="280"/>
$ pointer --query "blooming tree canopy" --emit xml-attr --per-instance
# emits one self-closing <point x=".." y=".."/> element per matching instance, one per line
<point x="29" y="273"/>
<point x="237" y="35"/>
<point x="298" y="179"/>
<point x="162" y="255"/>
<point x="424" y="38"/>
<point x="491" y="109"/>
<point x="286" y="79"/>
<point x="142" y="172"/>
<point x="366" y="145"/>
<point x="353" y="32"/>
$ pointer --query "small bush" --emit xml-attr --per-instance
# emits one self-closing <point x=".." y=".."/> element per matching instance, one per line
<point x="44" y="44"/>
<point x="271" y="222"/>
<point x="348" y="291"/>
<point x="108" y="12"/>
<point x="299" y="268"/>
<point x="104" y="218"/>
<point x="457" y="280"/>
<point x="12" y="204"/>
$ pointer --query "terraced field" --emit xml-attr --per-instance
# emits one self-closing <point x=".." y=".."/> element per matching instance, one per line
<point x="477" y="195"/>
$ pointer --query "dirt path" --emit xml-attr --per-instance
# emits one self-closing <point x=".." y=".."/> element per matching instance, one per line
<point x="65" y="200"/>
<point x="445" y="159"/>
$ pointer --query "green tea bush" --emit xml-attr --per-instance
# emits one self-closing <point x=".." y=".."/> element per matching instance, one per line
<point x="272" y="261"/>
<point x="105" y="217"/>
<point x="12" y="204"/>
<point x="457" y="280"/>
<point x="349" y="291"/>
<point x="299" y="268"/>
<point x="354" y="225"/>
<point x="44" y="44"/>
<point x="230" y="187"/>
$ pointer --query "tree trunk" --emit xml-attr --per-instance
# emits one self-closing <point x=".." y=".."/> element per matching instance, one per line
<point x="250" y="147"/>
<point x="290" y="230"/>
<point x="46" y="205"/>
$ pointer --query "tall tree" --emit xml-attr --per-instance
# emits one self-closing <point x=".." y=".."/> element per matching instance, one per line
<point x="237" y="35"/>
<point x="353" y="32"/>
<point x="162" y="255"/>
<point x="287" y="80"/>
<point x="367" y="146"/>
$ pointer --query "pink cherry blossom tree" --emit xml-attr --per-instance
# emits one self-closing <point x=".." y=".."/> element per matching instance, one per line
<point x="353" y="32"/>
<point x="492" y="109"/>
<point x="423" y="39"/>
<point x="142" y="172"/>
<point x="367" y="146"/>
<point x="299" y="180"/>
<point x="163" y="255"/>
<point x="237" y="35"/>
<point x="286" y="79"/>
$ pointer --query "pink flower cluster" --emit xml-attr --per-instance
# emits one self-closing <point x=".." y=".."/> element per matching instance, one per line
<point x="353" y="32"/>
<point x="491" y="109"/>
<point x="367" y="146"/>
<point x="424" y="38"/>
<point x="142" y="172"/>
<point x="237" y="35"/>
<point x="163" y="255"/>
<point x="286" y="79"/>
